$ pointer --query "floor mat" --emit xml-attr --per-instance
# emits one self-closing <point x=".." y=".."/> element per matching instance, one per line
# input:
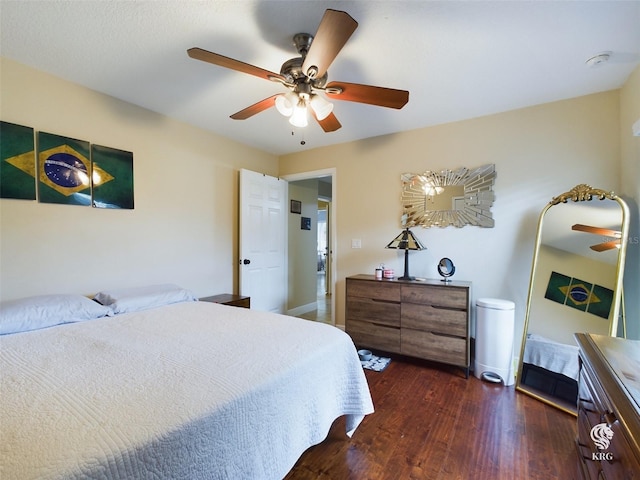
<point x="376" y="363"/>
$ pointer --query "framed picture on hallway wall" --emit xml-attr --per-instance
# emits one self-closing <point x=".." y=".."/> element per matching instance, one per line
<point x="296" y="206"/>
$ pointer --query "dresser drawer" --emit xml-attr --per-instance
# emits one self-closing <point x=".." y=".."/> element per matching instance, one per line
<point x="374" y="311"/>
<point x="431" y="319"/>
<point x="450" y="297"/>
<point x="586" y="447"/>
<point x="373" y="289"/>
<point x="622" y="464"/>
<point x="431" y="346"/>
<point x="589" y="400"/>
<point x="371" y="335"/>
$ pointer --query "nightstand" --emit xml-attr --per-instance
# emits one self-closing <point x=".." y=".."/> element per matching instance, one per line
<point x="229" y="299"/>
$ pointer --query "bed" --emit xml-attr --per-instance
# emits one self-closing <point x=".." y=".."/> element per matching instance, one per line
<point x="551" y="367"/>
<point x="188" y="390"/>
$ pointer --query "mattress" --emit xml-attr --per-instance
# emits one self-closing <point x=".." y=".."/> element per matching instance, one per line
<point x="186" y="391"/>
<point x="551" y="355"/>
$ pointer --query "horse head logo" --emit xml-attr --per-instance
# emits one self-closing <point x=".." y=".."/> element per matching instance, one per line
<point x="601" y="434"/>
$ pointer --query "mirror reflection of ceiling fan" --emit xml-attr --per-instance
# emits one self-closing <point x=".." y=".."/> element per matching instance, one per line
<point x="604" y="232"/>
<point x="306" y="77"/>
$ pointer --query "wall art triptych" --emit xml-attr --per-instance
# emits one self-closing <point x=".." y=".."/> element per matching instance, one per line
<point x="65" y="170"/>
<point x="579" y="294"/>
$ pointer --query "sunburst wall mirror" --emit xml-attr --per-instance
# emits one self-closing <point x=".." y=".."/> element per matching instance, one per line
<point x="449" y="197"/>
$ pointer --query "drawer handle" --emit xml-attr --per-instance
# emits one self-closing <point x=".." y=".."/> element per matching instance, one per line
<point x="386" y="325"/>
<point x="609" y="418"/>
<point x="586" y="457"/>
<point x="583" y="401"/>
<point x="440" y="307"/>
<point x="438" y="334"/>
<point x="377" y="300"/>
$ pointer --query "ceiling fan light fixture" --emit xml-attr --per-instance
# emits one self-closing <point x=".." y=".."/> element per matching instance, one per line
<point x="321" y="106"/>
<point x="299" y="116"/>
<point x="598" y="59"/>
<point x="307" y="74"/>
<point x="285" y="103"/>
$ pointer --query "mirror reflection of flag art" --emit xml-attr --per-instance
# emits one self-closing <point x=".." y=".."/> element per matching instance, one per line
<point x="602" y="307"/>
<point x="112" y="177"/>
<point x="64" y="170"/>
<point x="579" y="294"/>
<point x="17" y="162"/>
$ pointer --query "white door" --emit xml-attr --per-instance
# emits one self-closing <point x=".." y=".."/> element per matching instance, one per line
<point x="263" y="240"/>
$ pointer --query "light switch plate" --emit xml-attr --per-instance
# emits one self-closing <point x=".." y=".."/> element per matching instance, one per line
<point x="356" y="243"/>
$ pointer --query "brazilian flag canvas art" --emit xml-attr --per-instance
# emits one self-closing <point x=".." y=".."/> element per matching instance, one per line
<point x="578" y="294"/>
<point x="17" y="162"/>
<point x="64" y="170"/>
<point x="112" y="177"/>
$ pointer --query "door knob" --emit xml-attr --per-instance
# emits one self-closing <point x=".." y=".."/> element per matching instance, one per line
<point x="246" y="261"/>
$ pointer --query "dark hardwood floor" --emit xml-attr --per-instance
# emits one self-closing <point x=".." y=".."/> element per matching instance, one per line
<point x="431" y="423"/>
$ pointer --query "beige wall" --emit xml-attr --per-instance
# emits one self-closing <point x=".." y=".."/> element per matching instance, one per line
<point x="539" y="152"/>
<point x="302" y="254"/>
<point x="630" y="145"/>
<point x="630" y="188"/>
<point x="184" y="225"/>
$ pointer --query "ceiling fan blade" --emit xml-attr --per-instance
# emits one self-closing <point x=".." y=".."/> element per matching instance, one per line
<point x="380" y="96"/>
<point x="601" y="247"/>
<point x="222" y="61"/>
<point x="605" y="232"/>
<point x="336" y="27"/>
<point x="329" y="124"/>
<point x="258" y="107"/>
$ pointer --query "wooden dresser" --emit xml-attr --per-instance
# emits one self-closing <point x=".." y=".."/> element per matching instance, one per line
<point x="426" y="319"/>
<point x="609" y="395"/>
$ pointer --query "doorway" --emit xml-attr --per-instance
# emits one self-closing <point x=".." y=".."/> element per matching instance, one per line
<point x="323" y="247"/>
<point x="323" y="280"/>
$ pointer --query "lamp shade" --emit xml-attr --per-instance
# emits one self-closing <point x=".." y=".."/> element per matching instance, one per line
<point x="285" y="103"/>
<point x="299" y="116"/>
<point x="406" y="241"/>
<point x="321" y="107"/>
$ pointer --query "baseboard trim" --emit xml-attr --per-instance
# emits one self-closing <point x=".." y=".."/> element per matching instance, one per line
<point x="302" y="309"/>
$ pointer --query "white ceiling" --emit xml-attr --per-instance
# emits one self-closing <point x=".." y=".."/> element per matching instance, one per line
<point x="457" y="59"/>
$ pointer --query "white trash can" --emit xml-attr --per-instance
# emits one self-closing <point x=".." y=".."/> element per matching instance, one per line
<point x="494" y="340"/>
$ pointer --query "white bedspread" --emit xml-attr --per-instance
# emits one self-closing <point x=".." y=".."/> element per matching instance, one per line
<point x="554" y="356"/>
<point x="187" y="391"/>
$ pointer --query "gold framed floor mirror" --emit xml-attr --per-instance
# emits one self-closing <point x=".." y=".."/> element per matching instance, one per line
<point x="575" y="286"/>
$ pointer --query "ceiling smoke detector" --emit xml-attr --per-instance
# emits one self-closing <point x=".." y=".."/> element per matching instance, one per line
<point x="598" y="59"/>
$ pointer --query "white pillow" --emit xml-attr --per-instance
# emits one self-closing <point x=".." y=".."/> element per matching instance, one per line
<point x="124" y="300"/>
<point x="33" y="313"/>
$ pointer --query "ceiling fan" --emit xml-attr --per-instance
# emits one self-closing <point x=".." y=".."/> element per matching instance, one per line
<point x="604" y="232"/>
<point x="306" y="77"/>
